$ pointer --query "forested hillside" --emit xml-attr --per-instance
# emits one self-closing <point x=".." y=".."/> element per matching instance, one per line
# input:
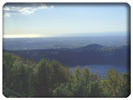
<point x="90" y="54"/>
<point x="26" y="78"/>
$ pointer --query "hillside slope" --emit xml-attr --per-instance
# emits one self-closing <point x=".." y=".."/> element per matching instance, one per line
<point x="90" y="54"/>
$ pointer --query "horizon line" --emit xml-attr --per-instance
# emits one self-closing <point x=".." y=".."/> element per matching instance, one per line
<point x="63" y="36"/>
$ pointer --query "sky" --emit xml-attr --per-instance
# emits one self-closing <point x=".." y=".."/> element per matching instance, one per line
<point x="54" y="20"/>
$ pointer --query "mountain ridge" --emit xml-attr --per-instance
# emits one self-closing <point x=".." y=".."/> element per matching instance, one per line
<point x="90" y="54"/>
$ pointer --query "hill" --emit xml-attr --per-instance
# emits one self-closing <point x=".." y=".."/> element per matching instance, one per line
<point x="90" y="54"/>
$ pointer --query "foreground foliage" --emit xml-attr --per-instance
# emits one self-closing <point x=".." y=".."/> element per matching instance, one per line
<point x="25" y="78"/>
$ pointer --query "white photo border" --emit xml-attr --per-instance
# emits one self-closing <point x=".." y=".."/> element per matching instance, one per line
<point x="2" y="2"/>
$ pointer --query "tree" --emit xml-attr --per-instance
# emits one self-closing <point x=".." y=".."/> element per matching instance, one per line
<point x="25" y="78"/>
<point x="42" y="79"/>
<point x="16" y="75"/>
<point x="115" y="84"/>
<point x="86" y="75"/>
<point x="77" y="73"/>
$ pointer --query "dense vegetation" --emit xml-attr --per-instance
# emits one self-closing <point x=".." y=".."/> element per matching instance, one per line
<point x="26" y="78"/>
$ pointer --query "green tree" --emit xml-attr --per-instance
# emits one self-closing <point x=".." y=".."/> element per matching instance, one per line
<point x="63" y="91"/>
<point x="25" y="78"/>
<point x="115" y="84"/>
<point x="60" y="74"/>
<point x="42" y="79"/>
<point x="16" y="75"/>
<point x="86" y="75"/>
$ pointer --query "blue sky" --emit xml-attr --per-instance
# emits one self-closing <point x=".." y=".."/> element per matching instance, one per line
<point x="51" y="20"/>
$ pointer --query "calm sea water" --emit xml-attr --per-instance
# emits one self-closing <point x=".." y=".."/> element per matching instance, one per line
<point x="102" y="69"/>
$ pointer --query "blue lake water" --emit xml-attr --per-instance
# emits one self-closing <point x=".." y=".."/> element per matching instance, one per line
<point x="104" y="68"/>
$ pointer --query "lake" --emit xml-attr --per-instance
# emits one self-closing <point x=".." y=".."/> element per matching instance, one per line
<point x="101" y="69"/>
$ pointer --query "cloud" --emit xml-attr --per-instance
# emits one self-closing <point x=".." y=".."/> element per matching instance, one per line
<point x="7" y="15"/>
<point x="52" y="6"/>
<point x="25" y="9"/>
<point x="6" y="8"/>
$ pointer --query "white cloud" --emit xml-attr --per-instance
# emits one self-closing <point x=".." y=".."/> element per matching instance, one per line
<point x="6" y="8"/>
<point x="43" y="6"/>
<point x="7" y="15"/>
<point x="52" y="6"/>
<point x="25" y="9"/>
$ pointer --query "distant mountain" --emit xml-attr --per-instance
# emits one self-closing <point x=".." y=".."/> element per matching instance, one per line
<point x="93" y="46"/>
<point x="62" y="42"/>
<point x="90" y="47"/>
<point x="90" y="54"/>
